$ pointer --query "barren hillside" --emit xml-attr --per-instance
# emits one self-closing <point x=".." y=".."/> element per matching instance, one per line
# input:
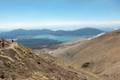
<point x="20" y="63"/>
<point x="100" y="56"/>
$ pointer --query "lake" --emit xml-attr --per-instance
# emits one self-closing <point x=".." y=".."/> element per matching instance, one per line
<point x="61" y="38"/>
<point x="50" y="41"/>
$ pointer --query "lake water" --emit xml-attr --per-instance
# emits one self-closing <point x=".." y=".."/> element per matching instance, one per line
<point x="60" y="38"/>
<point x="42" y="41"/>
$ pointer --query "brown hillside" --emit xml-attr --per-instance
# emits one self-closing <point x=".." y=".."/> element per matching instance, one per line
<point x="20" y="63"/>
<point x="100" y="56"/>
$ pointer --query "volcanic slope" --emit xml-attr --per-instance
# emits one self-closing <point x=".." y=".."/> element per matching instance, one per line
<point x="20" y="63"/>
<point x="100" y="56"/>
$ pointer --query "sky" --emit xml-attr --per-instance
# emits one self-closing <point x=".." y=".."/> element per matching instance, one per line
<point x="58" y="14"/>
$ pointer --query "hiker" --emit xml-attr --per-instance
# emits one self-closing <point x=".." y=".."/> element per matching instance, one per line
<point x="0" y="43"/>
<point x="12" y="41"/>
<point x="3" y="44"/>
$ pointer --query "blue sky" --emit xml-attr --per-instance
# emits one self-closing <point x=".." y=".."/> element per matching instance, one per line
<point x="58" y="13"/>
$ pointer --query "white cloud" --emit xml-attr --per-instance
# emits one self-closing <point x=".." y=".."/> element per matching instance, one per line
<point x="58" y="24"/>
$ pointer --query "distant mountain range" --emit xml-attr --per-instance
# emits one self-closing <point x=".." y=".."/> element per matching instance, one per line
<point x="21" y="33"/>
